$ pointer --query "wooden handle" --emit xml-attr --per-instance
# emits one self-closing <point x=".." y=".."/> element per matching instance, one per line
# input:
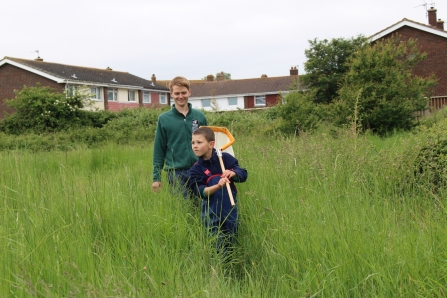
<point x="228" y="184"/>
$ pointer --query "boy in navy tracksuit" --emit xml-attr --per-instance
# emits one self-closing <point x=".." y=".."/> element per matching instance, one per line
<point x="208" y="182"/>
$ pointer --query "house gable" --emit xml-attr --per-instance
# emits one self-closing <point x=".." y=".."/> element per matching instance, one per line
<point x="432" y="41"/>
<point x="15" y="78"/>
<point x="411" y="24"/>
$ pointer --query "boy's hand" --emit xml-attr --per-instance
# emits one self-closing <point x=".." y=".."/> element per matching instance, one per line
<point x="223" y="181"/>
<point x="228" y="174"/>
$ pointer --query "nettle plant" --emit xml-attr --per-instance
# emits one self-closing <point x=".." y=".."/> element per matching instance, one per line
<point x="40" y="109"/>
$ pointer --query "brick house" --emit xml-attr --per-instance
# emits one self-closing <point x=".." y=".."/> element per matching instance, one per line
<point x="432" y="39"/>
<point x="112" y="90"/>
<point x="225" y="95"/>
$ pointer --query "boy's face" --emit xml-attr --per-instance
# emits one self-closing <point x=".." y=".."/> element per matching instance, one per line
<point x="201" y="147"/>
<point x="180" y="96"/>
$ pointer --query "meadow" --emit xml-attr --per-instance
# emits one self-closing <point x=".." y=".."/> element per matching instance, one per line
<point x="321" y="216"/>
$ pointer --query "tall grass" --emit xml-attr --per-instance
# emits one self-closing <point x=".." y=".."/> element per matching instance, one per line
<point x="321" y="216"/>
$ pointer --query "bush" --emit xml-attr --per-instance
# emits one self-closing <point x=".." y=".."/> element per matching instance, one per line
<point x="134" y="119"/>
<point x="299" y="113"/>
<point x="431" y="160"/>
<point x="241" y="121"/>
<point x="44" y="109"/>
<point x="381" y="85"/>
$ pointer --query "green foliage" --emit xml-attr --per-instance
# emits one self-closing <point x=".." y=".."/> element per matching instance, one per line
<point x="431" y="161"/>
<point x="299" y="113"/>
<point x="380" y="78"/>
<point x="227" y="76"/>
<point x="240" y="121"/>
<point x="135" y="118"/>
<point x="98" y="119"/>
<point x="435" y="117"/>
<point x="326" y="65"/>
<point x="43" y="109"/>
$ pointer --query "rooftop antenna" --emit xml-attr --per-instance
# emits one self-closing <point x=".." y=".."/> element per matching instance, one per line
<point x="432" y="4"/>
<point x="36" y="51"/>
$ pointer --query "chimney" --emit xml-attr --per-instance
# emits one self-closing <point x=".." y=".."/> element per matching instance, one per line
<point x="440" y="24"/>
<point x="220" y="76"/>
<point x="154" y="79"/>
<point x="263" y="76"/>
<point x="38" y="59"/>
<point x="108" y="68"/>
<point x="210" y="78"/>
<point x="432" y="16"/>
<point x="293" y="71"/>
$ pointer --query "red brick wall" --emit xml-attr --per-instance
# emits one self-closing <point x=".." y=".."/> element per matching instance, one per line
<point x="270" y="100"/>
<point x="436" y="62"/>
<point x="14" y="78"/>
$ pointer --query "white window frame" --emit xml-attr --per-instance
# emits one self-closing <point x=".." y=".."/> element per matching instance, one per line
<point x="97" y="93"/>
<point x="163" y="98"/>
<point x="230" y="99"/>
<point x="208" y="103"/>
<point x="70" y="90"/>
<point x="114" y="92"/>
<point x="260" y="98"/>
<point x="146" y="97"/>
<point x="131" y="95"/>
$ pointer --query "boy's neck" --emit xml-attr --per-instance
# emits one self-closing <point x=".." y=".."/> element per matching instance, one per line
<point x="208" y="155"/>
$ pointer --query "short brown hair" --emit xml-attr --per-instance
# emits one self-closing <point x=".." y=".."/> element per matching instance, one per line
<point x="179" y="81"/>
<point x="207" y="132"/>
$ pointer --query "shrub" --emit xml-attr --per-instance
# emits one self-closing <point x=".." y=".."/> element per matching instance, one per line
<point x="431" y="160"/>
<point x="380" y="78"/>
<point x="299" y="113"/>
<point x="44" y="109"/>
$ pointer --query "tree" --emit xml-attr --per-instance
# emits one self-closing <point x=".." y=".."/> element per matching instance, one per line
<point x="326" y="65"/>
<point x="381" y="85"/>
<point x="227" y="76"/>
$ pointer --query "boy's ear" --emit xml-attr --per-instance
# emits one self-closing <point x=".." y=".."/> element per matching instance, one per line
<point x="212" y="143"/>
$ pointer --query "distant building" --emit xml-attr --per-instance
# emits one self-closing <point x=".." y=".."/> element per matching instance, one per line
<point x="111" y="90"/>
<point x="225" y="95"/>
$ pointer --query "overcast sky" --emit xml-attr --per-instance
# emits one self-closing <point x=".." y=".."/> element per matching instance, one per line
<point x="193" y="38"/>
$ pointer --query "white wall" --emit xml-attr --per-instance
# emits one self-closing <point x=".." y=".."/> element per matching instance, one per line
<point x="222" y="103"/>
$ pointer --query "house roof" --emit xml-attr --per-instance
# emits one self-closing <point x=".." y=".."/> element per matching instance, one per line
<point x="69" y="74"/>
<point x="264" y="85"/>
<point x="409" y="23"/>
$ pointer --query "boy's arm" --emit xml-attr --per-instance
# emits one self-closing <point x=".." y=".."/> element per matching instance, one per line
<point x="232" y="164"/>
<point x="196" y="182"/>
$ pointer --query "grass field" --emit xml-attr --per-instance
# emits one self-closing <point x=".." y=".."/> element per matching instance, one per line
<point x="321" y="216"/>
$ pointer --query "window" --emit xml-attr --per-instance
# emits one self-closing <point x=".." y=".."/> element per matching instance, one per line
<point x="232" y="101"/>
<point x="146" y="97"/>
<point x="112" y="94"/>
<point x="96" y="93"/>
<point x="131" y="96"/>
<point x="71" y="90"/>
<point x="260" y="100"/>
<point x="206" y="103"/>
<point x="163" y="99"/>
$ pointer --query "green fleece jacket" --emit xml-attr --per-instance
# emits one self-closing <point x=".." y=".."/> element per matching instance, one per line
<point x="173" y="137"/>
